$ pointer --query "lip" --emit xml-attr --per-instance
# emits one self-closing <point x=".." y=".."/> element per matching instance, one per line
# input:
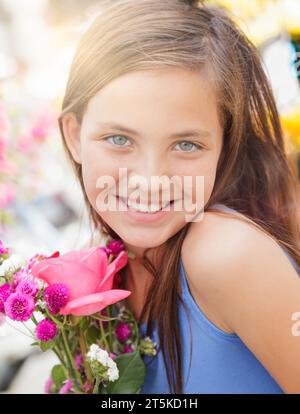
<point x="144" y="216"/>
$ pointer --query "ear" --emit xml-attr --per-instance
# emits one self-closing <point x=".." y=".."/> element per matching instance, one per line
<point x="71" y="130"/>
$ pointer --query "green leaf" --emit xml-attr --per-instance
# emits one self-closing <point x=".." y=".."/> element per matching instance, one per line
<point x="131" y="374"/>
<point x="58" y="375"/>
<point x="46" y="345"/>
<point x="74" y="345"/>
<point x="83" y="323"/>
<point x="92" y="334"/>
<point x="35" y="343"/>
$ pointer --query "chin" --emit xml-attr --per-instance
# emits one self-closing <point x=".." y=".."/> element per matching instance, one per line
<point x="141" y="241"/>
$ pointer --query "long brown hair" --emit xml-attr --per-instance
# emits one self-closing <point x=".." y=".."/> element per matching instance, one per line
<point x="254" y="174"/>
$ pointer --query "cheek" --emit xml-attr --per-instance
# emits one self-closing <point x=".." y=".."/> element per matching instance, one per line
<point x="205" y="168"/>
<point x="95" y="165"/>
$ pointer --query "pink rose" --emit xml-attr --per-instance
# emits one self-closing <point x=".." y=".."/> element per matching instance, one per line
<point x="88" y="277"/>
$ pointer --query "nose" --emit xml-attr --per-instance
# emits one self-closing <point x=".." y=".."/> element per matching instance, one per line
<point x="150" y="178"/>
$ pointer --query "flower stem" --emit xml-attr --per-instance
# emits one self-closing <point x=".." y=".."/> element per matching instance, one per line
<point x="109" y="327"/>
<point x="33" y="318"/>
<point x="83" y="349"/>
<point x="56" y="350"/>
<point x="103" y="334"/>
<point x="70" y="358"/>
<point x="96" y="386"/>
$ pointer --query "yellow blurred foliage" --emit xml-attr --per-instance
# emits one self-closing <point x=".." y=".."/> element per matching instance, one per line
<point x="291" y="126"/>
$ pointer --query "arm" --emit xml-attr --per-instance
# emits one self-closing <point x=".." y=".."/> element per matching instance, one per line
<point x="246" y="279"/>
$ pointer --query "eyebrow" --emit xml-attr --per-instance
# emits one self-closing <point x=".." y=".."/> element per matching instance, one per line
<point x="196" y="132"/>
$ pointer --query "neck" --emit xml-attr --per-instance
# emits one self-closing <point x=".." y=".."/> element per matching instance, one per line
<point x="136" y="268"/>
<point x="137" y="278"/>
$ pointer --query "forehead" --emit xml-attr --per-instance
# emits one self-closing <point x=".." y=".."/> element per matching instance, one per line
<point x="157" y="98"/>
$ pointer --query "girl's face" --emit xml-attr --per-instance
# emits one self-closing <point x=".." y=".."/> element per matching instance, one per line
<point x="140" y="122"/>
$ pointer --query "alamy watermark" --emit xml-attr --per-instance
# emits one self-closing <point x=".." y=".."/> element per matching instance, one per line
<point x="188" y="193"/>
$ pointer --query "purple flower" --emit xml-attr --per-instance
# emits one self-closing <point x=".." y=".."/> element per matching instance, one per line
<point x="19" y="307"/>
<point x="3" y="250"/>
<point x="48" y="384"/>
<point x="28" y="286"/>
<point x="114" y="247"/>
<point x="46" y="330"/>
<point x="56" y="297"/>
<point x="78" y="361"/>
<point x="87" y="387"/>
<point x="5" y="292"/>
<point x="127" y="349"/>
<point x="66" y="387"/>
<point x="123" y="331"/>
<point x="18" y="277"/>
<point x="112" y="356"/>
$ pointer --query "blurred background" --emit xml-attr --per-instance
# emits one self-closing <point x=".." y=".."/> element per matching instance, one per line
<point x="41" y="206"/>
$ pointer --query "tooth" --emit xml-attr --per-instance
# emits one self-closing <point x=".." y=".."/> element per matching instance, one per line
<point x="154" y="208"/>
<point x="142" y="208"/>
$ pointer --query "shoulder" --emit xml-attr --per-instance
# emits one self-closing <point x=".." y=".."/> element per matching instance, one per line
<point x="220" y="251"/>
<point x="245" y="278"/>
<point x="222" y="242"/>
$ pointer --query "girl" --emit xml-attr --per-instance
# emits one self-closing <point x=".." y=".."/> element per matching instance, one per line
<point x="174" y="88"/>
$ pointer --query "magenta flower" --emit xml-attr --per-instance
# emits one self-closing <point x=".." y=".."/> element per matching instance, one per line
<point x="38" y="257"/>
<point x="123" y="331"/>
<point x="46" y="330"/>
<point x="112" y="356"/>
<point x="19" y="307"/>
<point x="56" y="297"/>
<point x="40" y="128"/>
<point x="114" y="247"/>
<point x="78" y="361"/>
<point x="48" y="385"/>
<point x="88" y="276"/>
<point x="22" y="274"/>
<point x="3" y="250"/>
<point x="87" y="387"/>
<point x="66" y="387"/>
<point x="28" y="286"/>
<point x="5" y="292"/>
<point x="34" y="259"/>
<point x="127" y="349"/>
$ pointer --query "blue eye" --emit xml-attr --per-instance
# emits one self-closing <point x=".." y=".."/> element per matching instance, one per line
<point x="188" y="146"/>
<point x="118" y="142"/>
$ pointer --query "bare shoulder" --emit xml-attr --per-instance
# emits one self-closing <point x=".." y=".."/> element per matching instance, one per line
<point x="220" y="254"/>
<point x="220" y="239"/>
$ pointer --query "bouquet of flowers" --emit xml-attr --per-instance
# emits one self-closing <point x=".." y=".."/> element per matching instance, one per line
<point x="75" y="304"/>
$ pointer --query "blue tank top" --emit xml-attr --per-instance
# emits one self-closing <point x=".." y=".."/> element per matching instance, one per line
<point x="221" y="362"/>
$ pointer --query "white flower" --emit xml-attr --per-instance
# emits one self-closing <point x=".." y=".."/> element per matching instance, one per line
<point x="12" y="263"/>
<point x="92" y="354"/>
<point x="103" y="357"/>
<point x="113" y="372"/>
<point x="41" y="284"/>
<point x="100" y="355"/>
<point x="41" y="304"/>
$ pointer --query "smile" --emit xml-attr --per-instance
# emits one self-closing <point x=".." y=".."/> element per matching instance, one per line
<point x="143" y="208"/>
